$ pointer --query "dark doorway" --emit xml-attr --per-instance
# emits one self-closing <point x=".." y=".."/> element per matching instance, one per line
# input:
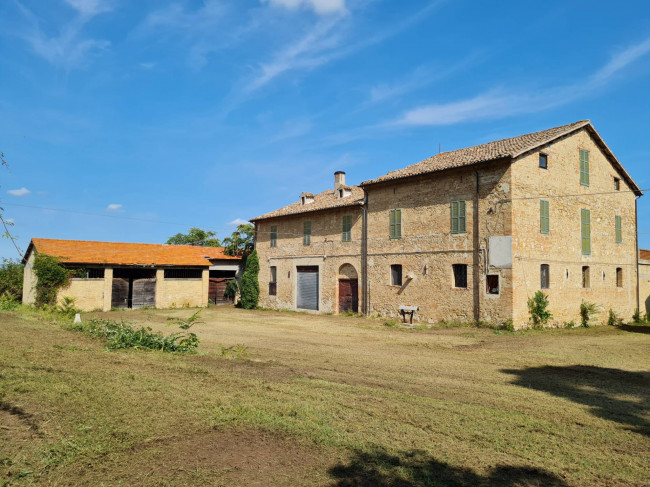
<point x="348" y="295"/>
<point x="134" y="288"/>
<point x="218" y="282"/>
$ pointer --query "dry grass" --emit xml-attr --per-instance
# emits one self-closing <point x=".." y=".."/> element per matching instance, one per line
<point x="323" y="400"/>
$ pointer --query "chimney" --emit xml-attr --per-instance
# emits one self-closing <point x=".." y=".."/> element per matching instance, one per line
<point x="339" y="179"/>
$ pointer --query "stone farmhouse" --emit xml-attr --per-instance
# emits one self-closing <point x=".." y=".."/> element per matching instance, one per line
<point x="469" y="234"/>
<point x="133" y="275"/>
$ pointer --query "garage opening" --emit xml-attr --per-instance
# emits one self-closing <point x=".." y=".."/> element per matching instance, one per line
<point x="307" y="287"/>
<point x="134" y="288"/>
<point x="218" y="282"/>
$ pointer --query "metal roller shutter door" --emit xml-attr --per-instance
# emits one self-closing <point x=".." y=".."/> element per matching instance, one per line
<point x="308" y="287"/>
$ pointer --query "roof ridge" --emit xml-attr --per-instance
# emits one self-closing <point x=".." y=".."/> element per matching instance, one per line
<point x="122" y="243"/>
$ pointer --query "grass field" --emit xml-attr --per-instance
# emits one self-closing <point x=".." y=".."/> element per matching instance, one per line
<point x="277" y="398"/>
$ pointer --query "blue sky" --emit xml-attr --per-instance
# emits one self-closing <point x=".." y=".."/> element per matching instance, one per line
<point x="171" y="114"/>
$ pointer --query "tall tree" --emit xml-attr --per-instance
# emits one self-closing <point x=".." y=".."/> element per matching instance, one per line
<point x="195" y="236"/>
<point x="250" y="286"/>
<point x="241" y="242"/>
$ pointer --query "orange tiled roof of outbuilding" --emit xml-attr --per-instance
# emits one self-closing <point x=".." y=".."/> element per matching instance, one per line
<point x="121" y="253"/>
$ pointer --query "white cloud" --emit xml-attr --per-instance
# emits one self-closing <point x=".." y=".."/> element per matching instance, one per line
<point x="500" y="103"/>
<point x="321" y="7"/>
<point x="90" y="7"/>
<point x="114" y="207"/>
<point x="236" y="222"/>
<point x="19" y="192"/>
<point x="147" y="65"/>
<point x="9" y="221"/>
<point x="68" y="49"/>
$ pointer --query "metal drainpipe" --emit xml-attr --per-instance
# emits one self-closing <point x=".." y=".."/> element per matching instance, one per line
<point x="475" y="254"/>
<point x="636" y="246"/>
<point x="364" y="252"/>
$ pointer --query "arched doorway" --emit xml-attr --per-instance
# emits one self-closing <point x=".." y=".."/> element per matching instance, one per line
<point x="348" y="289"/>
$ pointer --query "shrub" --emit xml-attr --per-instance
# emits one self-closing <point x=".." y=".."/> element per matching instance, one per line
<point x="11" y="278"/>
<point x="67" y="307"/>
<point x="8" y="301"/>
<point x="587" y="311"/>
<point x="250" y="286"/>
<point x="538" y="309"/>
<point x="232" y="289"/>
<point x="50" y="277"/>
<point x="636" y="317"/>
<point x="614" y="319"/>
<point x="570" y="324"/>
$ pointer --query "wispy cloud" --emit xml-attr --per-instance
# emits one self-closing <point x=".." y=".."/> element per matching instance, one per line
<point x="321" y="7"/>
<point x="69" y="48"/>
<point x="114" y="207"/>
<point x="236" y="222"/>
<point x="326" y="41"/>
<point x="501" y="103"/>
<point x="19" y="192"/>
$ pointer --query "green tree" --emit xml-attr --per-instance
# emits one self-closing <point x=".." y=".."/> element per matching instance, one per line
<point x="195" y="236"/>
<point x="250" y="286"/>
<point x="241" y="242"/>
<point x="11" y="278"/>
<point x="51" y="276"/>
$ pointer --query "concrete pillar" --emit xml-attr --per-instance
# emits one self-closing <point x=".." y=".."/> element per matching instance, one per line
<point x="205" y="275"/>
<point x="160" y="288"/>
<point x="108" y="288"/>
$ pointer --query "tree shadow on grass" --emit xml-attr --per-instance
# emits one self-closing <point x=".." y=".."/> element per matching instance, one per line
<point x="635" y="328"/>
<point x="612" y="394"/>
<point x="416" y="468"/>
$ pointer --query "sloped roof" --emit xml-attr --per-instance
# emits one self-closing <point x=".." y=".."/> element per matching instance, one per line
<point x="500" y="149"/>
<point x="322" y="201"/>
<point x="644" y="254"/>
<point x="120" y="253"/>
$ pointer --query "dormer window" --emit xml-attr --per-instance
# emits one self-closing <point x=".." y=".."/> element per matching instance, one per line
<point x="303" y="200"/>
<point x="340" y="193"/>
<point x="306" y="198"/>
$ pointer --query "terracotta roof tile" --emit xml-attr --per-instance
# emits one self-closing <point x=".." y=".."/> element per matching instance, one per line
<point x="119" y="253"/>
<point x="322" y="201"/>
<point x="499" y="149"/>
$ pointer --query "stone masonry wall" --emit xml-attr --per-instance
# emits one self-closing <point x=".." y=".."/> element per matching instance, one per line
<point x="88" y="294"/>
<point x="561" y="248"/>
<point x="427" y="249"/>
<point x="327" y="251"/>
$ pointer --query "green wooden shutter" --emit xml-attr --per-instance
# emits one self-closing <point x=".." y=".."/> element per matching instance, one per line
<point x="398" y="223"/>
<point x="544" y="217"/>
<point x="306" y="237"/>
<point x="274" y="235"/>
<point x="454" y="217"/>
<point x="584" y="167"/>
<point x="461" y="217"/>
<point x="619" y="229"/>
<point x="391" y="225"/>
<point x="585" y="227"/>
<point x="347" y="229"/>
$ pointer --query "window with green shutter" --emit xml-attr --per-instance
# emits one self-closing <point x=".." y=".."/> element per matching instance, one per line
<point x="585" y="231"/>
<point x="346" y="233"/>
<point x="306" y="233"/>
<point x="619" y="229"/>
<point x="274" y="235"/>
<point x="458" y="217"/>
<point x="395" y="224"/>
<point x="584" y="167"/>
<point x="544" y="219"/>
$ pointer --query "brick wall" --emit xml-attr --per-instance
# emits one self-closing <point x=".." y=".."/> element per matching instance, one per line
<point x="180" y="293"/>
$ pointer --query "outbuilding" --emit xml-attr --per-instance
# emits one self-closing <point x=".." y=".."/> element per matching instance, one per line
<point x="134" y="275"/>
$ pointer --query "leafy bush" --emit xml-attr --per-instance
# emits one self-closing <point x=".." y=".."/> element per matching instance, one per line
<point x="50" y="277"/>
<point x="614" y="319"/>
<point x="232" y="289"/>
<point x="587" y="311"/>
<point x="8" y="301"/>
<point x="250" y="286"/>
<point x="570" y="324"/>
<point x="122" y="335"/>
<point x="11" y="278"/>
<point x="538" y="309"/>
<point x="67" y="307"/>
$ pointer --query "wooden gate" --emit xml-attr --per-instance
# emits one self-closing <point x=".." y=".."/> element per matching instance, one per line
<point x="144" y="293"/>
<point x="120" y="296"/>
<point x="348" y="295"/>
<point x="217" y="289"/>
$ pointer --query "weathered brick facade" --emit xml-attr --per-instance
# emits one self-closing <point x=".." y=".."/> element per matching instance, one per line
<point x="503" y="245"/>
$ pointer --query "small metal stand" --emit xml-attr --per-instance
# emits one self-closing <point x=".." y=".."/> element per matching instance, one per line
<point x="410" y="310"/>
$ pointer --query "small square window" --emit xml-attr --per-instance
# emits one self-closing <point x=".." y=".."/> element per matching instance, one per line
<point x="617" y="184"/>
<point x="493" y="284"/>
<point x="460" y="275"/>
<point x="396" y="275"/>
<point x="543" y="161"/>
